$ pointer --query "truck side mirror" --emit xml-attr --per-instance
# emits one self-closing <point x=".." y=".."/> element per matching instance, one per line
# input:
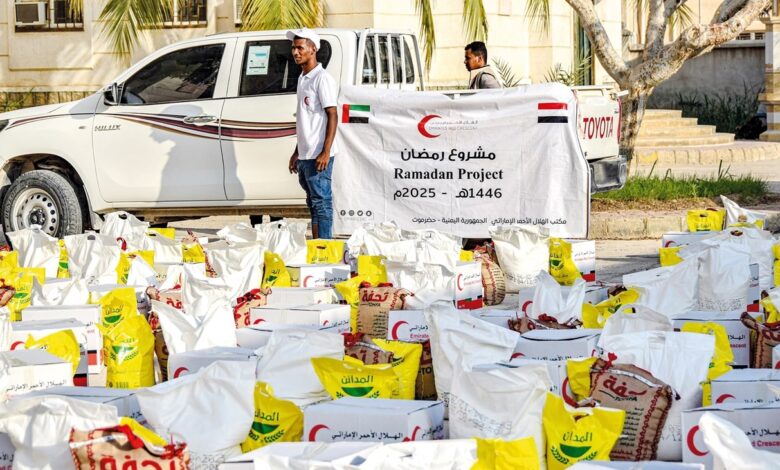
<point x="111" y="95"/>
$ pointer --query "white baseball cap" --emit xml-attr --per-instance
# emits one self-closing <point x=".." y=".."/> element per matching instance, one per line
<point x="305" y="33"/>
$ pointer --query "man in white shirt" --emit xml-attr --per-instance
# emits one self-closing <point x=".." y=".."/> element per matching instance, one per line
<point x="316" y="121"/>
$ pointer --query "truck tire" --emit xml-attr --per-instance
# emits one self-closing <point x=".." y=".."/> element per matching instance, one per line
<point x="44" y="198"/>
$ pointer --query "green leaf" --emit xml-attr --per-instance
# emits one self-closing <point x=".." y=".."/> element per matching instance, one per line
<point x="427" y="30"/>
<point x="123" y="21"/>
<point x="281" y="14"/>
<point x="475" y="20"/>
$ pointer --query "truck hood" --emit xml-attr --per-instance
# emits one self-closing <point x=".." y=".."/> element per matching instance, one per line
<point x="84" y="105"/>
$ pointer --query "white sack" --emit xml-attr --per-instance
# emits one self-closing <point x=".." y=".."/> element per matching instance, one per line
<point x="36" y="249"/>
<point x="730" y="447"/>
<point x="66" y="292"/>
<point x="238" y="233"/>
<point x="239" y="266"/>
<point x="736" y="214"/>
<point x="428" y="282"/>
<point x="286" y="239"/>
<point x="669" y="290"/>
<point x="286" y="363"/>
<point x="39" y="428"/>
<point x="523" y="251"/>
<point x="385" y="232"/>
<point x="681" y="360"/>
<point x="211" y="410"/>
<point x="404" y="251"/>
<point x="457" y="338"/>
<point x="184" y="332"/>
<point x="724" y="275"/>
<point x="560" y="302"/>
<point x="431" y="234"/>
<point x="93" y="257"/>
<point x="141" y="274"/>
<point x="498" y="401"/>
<point x="450" y="454"/>
<point x="315" y="456"/>
<point x="442" y="251"/>
<point x="165" y="249"/>
<point x="5" y="334"/>
<point x="643" y="319"/>
<point x="126" y="226"/>
<point x="758" y="243"/>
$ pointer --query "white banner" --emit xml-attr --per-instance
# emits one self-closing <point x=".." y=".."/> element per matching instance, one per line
<point x="462" y="164"/>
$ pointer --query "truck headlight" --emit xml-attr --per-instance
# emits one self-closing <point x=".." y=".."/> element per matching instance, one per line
<point x="3" y="124"/>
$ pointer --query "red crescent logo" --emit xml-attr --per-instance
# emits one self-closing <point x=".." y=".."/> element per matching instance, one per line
<point x="724" y="397"/>
<point x="423" y="122"/>
<point x="16" y="345"/>
<point x="180" y="371"/>
<point x="566" y="397"/>
<point x="325" y="322"/>
<point x="691" y="445"/>
<point x="306" y="281"/>
<point x="306" y="100"/>
<point x="777" y="366"/>
<point x="394" y="331"/>
<point x="670" y="243"/>
<point x="516" y="355"/>
<point x="457" y="282"/>
<point x="313" y="432"/>
<point x="259" y="320"/>
<point x="525" y="306"/>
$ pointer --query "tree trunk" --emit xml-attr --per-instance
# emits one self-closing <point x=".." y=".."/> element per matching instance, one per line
<point x="633" y="110"/>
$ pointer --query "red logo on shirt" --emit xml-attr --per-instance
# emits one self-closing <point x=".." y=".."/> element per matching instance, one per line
<point x="306" y="100"/>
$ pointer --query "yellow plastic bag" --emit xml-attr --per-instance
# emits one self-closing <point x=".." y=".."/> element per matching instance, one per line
<point x="466" y="256"/>
<point x="62" y="344"/>
<point x="325" y="251"/>
<point x="128" y="348"/>
<point x="721" y="360"/>
<point x="62" y="267"/>
<point x="117" y="305"/>
<point x="9" y="260"/>
<point x="706" y="220"/>
<point x="142" y="432"/>
<point x="126" y="259"/>
<point x="406" y="364"/>
<point x="275" y="420"/>
<point x="350" y="291"/>
<point x="771" y="311"/>
<point x="498" y="454"/>
<point x="352" y="378"/>
<point x="192" y="253"/>
<point x="165" y="232"/>
<point x="276" y="274"/>
<point x="21" y="279"/>
<point x="575" y="435"/>
<point x="372" y="269"/>
<point x="669" y="256"/>
<point x="595" y="316"/>
<point x="776" y="251"/>
<point x="578" y="373"/>
<point x="562" y="266"/>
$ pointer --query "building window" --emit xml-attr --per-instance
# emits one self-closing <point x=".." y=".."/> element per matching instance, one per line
<point x="46" y="15"/>
<point x="186" y="13"/>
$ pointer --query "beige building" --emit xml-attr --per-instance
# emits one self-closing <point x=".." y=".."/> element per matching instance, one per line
<point x="65" y="54"/>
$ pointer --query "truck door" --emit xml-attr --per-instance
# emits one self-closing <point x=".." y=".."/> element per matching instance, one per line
<point x="161" y="142"/>
<point x="258" y="120"/>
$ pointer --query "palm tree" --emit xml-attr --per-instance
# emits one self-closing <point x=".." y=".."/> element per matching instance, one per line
<point x="124" y="20"/>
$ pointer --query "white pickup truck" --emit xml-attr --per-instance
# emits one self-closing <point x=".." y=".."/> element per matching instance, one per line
<point x="206" y="127"/>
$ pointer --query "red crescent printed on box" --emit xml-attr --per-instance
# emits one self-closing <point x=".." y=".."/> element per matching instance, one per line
<point x="692" y="445"/>
<point x="314" y="430"/>
<point x="394" y="331"/>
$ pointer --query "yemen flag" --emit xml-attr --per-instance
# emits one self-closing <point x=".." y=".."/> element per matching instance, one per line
<point x="552" y="113"/>
<point x="355" y="113"/>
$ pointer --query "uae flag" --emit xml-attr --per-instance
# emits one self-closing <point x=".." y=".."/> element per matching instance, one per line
<point x="355" y="113"/>
<point x="552" y="113"/>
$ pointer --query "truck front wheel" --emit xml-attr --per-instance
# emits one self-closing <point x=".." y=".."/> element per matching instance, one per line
<point x="45" y="198"/>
